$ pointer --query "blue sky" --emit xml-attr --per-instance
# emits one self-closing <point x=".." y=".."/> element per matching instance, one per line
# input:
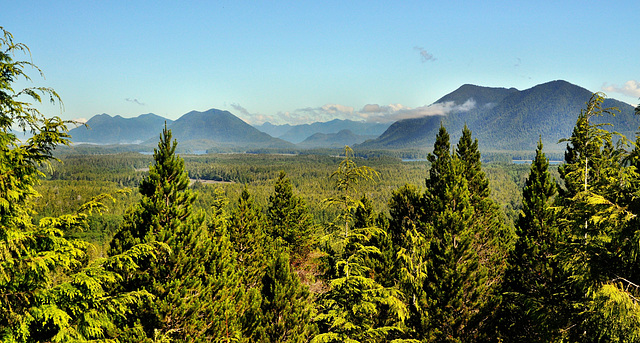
<point x="302" y="61"/>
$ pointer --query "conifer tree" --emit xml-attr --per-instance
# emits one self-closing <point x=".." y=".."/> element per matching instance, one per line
<point x="493" y="238"/>
<point x="247" y="236"/>
<point x="227" y="294"/>
<point x="532" y="280"/>
<point x="286" y="308"/>
<point x="350" y="310"/>
<point x="408" y="232"/>
<point x="596" y="221"/>
<point x="166" y="203"/>
<point x="289" y="218"/>
<point x="191" y="282"/>
<point x="49" y="288"/>
<point x="469" y="154"/>
<point x="454" y="282"/>
<point x="252" y="247"/>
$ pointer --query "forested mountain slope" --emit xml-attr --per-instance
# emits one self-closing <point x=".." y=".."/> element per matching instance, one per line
<point x="507" y="119"/>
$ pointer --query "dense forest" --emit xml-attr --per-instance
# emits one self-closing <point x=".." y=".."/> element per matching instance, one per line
<point x="278" y="248"/>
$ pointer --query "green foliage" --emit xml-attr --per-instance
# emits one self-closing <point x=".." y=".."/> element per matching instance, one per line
<point x="454" y="280"/>
<point x="49" y="289"/>
<point x="533" y="283"/>
<point x="166" y="202"/>
<point x="351" y="310"/>
<point x="597" y="220"/>
<point x="194" y="281"/>
<point x="287" y="310"/>
<point x="248" y="239"/>
<point x="289" y="219"/>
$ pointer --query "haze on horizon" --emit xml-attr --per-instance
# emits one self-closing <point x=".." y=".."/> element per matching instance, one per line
<point x="304" y="62"/>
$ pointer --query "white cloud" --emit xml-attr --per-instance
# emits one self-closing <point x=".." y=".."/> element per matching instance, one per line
<point x="630" y="88"/>
<point x="253" y="118"/>
<point x="80" y="120"/>
<point x="394" y="112"/>
<point x="337" y="108"/>
<point x="369" y="113"/>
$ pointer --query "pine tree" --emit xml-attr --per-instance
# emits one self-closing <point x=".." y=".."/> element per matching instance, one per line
<point x="252" y="247"/>
<point x="247" y="236"/>
<point x="286" y="308"/>
<point x="227" y="293"/>
<point x="191" y="280"/>
<point x="493" y="238"/>
<point x="532" y="281"/>
<point x="469" y="154"/>
<point x="166" y="203"/>
<point x="455" y="280"/>
<point x="289" y="219"/>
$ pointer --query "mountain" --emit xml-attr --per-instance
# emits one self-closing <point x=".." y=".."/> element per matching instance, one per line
<point x="273" y="130"/>
<point x="333" y="140"/>
<point x="299" y="133"/>
<point x="507" y="119"/>
<point x="215" y="129"/>
<point x="105" y="129"/>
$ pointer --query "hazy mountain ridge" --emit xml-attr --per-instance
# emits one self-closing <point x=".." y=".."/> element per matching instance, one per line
<point x="207" y="130"/>
<point x="105" y="129"/>
<point x="298" y="133"/>
<point x="333" y="140"/>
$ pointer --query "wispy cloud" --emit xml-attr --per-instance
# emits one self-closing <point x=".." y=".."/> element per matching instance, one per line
<point x="135" y="101"/>
<point x="394" y="112"/>
<point x="424" y="54"/>
<point x="630" y="88"/>
<point x="80" y="120"/>
<point x="518" y="62"/>
<point x="369" y="113"/>
<point x="253" y="118"/>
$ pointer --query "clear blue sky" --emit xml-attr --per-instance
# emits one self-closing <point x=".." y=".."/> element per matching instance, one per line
<point x="301" y="61"/>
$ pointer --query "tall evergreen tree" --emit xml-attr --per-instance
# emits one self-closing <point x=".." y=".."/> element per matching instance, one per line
<point x="248" y="238"/>
<point x="469" y="154"/>
<point x="350" y="309"/>
<point x="455" y="279"/>
<point x="596" y="221"/>
<point x="493" y="237"/>
<point x="532" y="281"/>
<point x="166" y="204"/>
<point x="252" y="247"/>
<point x="190" y="281"/>
<point x="289" y="218"/>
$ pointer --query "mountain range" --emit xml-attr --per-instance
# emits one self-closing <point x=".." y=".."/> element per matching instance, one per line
<point x="298" y="133"/>
<point x="214" y="130"/>
<point x="105" y="129"/>
<point x="507" y="119"/>
<point x="503" y="119"/>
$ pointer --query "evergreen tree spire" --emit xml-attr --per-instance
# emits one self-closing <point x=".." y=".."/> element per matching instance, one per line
<point x="166" y="203"/>
<point x="469" y="154"/>
<point x="531" y="286"/>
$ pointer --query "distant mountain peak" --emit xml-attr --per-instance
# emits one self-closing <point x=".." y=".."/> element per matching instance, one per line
<point x="507" y="119"/>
